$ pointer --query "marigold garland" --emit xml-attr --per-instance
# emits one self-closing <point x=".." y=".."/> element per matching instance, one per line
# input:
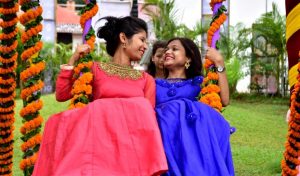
<point x="213" y="2"/>
<point x="7" y="110"/>
<point x="8" y="90"/>
<point x="6" y="149"/>
<point x="209" y="93"/>
<point x="9" y="60"/>
<point x="82" y="89"/>
<point x="7" y="124"/>
<point x="8" y="98"/>
<point x="6" y="132"/>
<point x="31" y="108"/>
<point x="31" y="90"/>
<point x="31" y="32"/>
<point x="28" y="162"/>
<point x="6" y="24"/>
<point x="32" y="124"/>
<point x="31" y="78"/>
<point x="5" y="1"/>
<point x="30" y="14"/>
<point x="4" y="36"/>
<point x="9" y="49"/>
<point x="8" y="11"/>
<point x="24" y="1"/>
<point x="211" y="88"/>
<point x="214" y="27"/>
<point x="9" y="68"/>
<point x="6" y="161"/>
<point x="35" y="140"/>
<point x="32" y="50"/>
<point x="33" y="70"/>
<point x="8" y="64"/>
<point x="292" y="146"/>
<point x="82" y="66"/>
<point x="6" y="155"/>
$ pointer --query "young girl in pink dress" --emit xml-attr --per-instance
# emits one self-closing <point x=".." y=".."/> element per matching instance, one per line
<point x="117" y="133"/>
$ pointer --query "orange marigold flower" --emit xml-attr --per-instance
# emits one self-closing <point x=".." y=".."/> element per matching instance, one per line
<point x="31" y="51"/>
<point x="212" y="76"/>
<point x="31" y="14"/>
<point x="31" y="108"/>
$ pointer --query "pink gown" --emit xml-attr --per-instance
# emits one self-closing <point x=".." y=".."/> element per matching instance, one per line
<point x="115" y="135"/>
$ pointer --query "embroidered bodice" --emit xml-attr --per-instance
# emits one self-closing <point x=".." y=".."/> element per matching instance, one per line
<point x="167" y="90"/>
<point x="123" y="72"/>
<point x="110" y="81"/>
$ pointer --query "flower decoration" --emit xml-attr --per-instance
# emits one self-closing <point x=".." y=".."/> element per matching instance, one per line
<point x="82" y="88"/>
<point x="210" y="91"/>
<point x="31" y="77"/>
<point x="8" y="64"/>
<point x="291" y="160"/>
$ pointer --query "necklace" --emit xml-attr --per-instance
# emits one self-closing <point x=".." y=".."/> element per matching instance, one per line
<point x="122" y="71"/>
<point x="175" y="80"/>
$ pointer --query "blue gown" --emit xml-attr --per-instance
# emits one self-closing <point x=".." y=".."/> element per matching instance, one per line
<point x="195" y="136"/>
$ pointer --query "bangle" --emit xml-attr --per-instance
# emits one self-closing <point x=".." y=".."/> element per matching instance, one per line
<point x="66" y="67"/>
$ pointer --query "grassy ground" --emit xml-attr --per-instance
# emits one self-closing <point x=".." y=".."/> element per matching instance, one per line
<point x="257" y="145"/>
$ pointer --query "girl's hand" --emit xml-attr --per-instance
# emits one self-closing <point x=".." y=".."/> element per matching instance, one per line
<point x="215" y="56"/>
<point x="80" y="51"/>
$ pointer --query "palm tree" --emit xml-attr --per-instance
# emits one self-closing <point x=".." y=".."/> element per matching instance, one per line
<point x="271" y="26"/>
<point x="235" y="49"/>
<point x="197" y="31"/>
<point x="163" y="16"/>
<point x="236" y="43"/>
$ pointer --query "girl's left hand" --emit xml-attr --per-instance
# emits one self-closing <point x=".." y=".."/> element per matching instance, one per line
<point x="215" y="56"/>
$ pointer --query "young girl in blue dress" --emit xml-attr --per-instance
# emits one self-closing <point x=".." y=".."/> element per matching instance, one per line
<point x="196" y="137"/>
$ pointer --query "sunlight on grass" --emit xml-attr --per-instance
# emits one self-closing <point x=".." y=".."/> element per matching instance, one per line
<point x="257" y="145"/>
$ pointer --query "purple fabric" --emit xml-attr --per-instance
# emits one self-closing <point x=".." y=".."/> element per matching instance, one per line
<point x="216" y="35"/>
<point x="216" y="7"/>
<point x="196" y="137"/>
<point x="87" y="26"/>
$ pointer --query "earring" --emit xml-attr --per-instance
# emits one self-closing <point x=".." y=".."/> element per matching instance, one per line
<point x="187" y="64"/>
<point x="124" y="45"/>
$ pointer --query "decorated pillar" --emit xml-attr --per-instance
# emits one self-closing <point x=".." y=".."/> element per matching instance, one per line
<point x="210" y="91"/>
<point x="291" y="162"/>
<point x="32" y="84"/>
<point x="8" y="64"/>
<point x="82" y="88"/>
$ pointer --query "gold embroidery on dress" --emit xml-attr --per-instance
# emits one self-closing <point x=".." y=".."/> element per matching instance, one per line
<point x="123" y="72"/>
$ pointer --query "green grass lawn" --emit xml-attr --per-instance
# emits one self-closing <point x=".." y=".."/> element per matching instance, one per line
<point x="257" y="145"/>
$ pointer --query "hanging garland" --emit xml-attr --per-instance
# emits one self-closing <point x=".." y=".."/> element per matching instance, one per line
<point x="291" y="155"/>
<point x="82" y="88"/>
<point x="210" y="91"/>
<point x="32" y="83"/>
<point x="8" y="64"/>
<point x="290" y="164"/>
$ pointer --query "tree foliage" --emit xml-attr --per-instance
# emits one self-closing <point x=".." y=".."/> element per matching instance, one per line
<point x="271" y="27"/>
<point x="163" y="15"/>
<point x="235" y="49"/>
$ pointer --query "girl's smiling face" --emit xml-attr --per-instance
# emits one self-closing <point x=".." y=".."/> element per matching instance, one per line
<point x="175" y="55"/>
